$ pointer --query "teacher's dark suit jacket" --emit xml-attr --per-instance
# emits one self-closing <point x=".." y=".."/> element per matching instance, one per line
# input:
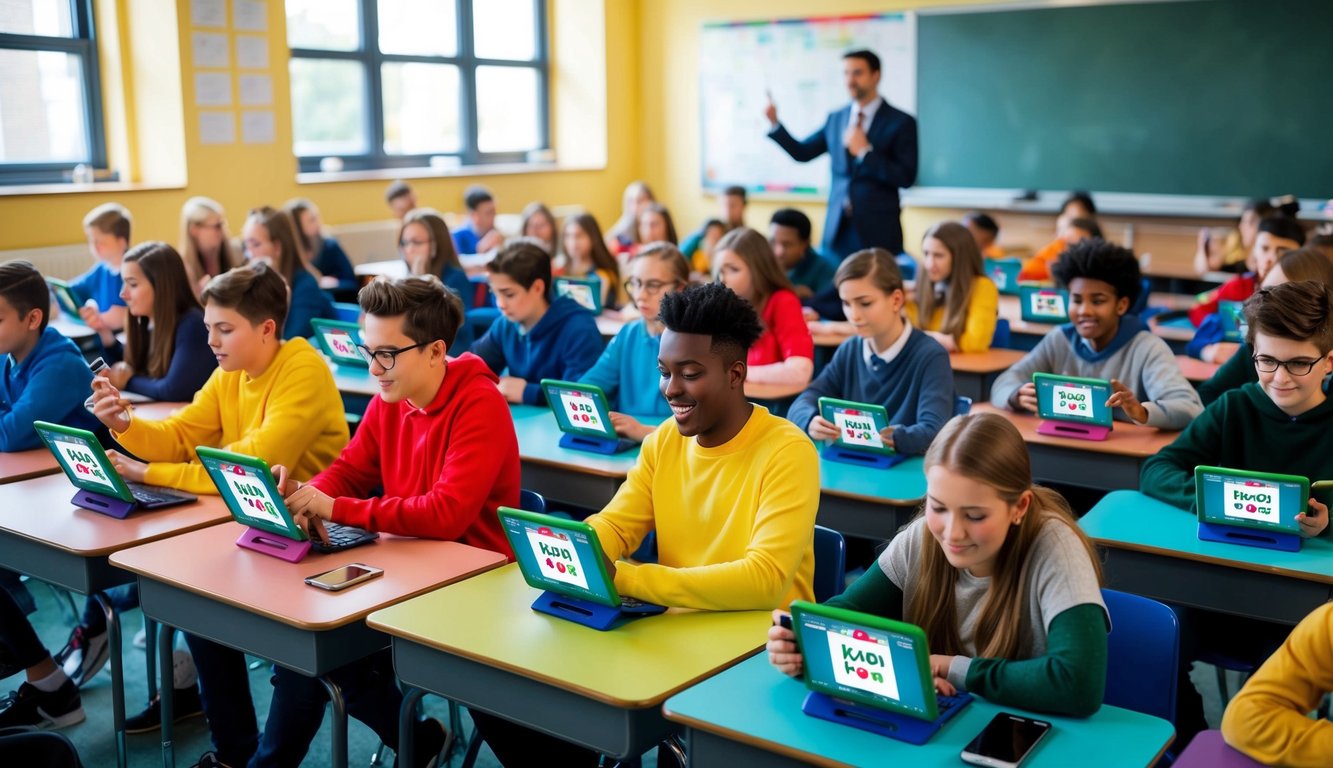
<point x="871" y="183"/>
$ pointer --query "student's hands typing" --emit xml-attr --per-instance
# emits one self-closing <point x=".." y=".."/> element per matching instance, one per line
<point x="512" y="388"/>
<point x="886" y="435"/>
<point x="630" y="427"/>
<point x="781" y="647"/>
<point x="1024" y="399"/>
<point x="108" y="406"/>
<point x="822" y="429"/>
<point x="1123" y="397"/>
<point x="1313" y="521"/>
<point x="939" y="669"/>
<point x="309" y="506"/>
<point x="132" y="470"/>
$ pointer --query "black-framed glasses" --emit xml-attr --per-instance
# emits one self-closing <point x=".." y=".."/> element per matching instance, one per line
<point x="653" y="287"/>
<point x="386" y="357"/>
<point x="1297" y="367"/>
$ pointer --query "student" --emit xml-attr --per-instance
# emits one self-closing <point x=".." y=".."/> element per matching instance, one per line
<point x="627" y="369"/>
<point x="539" y="223"/>
<point x="997" y="573"/>
<point x="536" y="338"/>
<point x="985" y="232"/>
<point x="478" y="234"/>
<point x="427" y="247"/>
<point x="270" y="237"/>
<point x="730" y="489"/>
<point x="1232" y="252"/>
<point x="624" y="232"/>
<point x="165" y="355"/>
<point x="1101" y="341"/>
<point x="887" y="363"/>
<point x="1269" y="719"/>
<point x="1071" y="233"/>
<point x="47" y="698"/>
<point x="713" y="230"/>
<point x="1078" y="205"/>
<point x="655" y="226"/>
<point x="586" y="255"/>
<point x="42" y="374"/>
<point x="400" y="198"/>
<point x="322" y="254"/>
<point x="731" y="215"/>
<point x="1277" y="235"/>
<point x="108" y="230"/>
<point x="204" y="244"/>
<point x="434" y="457"/>
<point x="956" y="304"/>
<point x="784" y="354"/>
<point x="789" y="236"/>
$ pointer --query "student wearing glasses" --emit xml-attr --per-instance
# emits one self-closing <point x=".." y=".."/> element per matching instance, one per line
<point x="627" y="369"/>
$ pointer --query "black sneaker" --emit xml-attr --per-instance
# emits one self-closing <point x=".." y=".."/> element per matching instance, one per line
<point x="184" y="704"/>
<point x="84" y="655"/>
<point x="31" y="709"/>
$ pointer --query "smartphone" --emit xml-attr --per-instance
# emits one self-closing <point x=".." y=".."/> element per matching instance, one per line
<point x="1321" y="485"/>
<point x="1006" y="741"/>
<point x="344" y="577"/>
<point x="97" y="365"/>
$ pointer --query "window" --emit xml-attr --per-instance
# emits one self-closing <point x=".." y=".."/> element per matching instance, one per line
<point x="50" y="100"/>
<point x="399" y="83"/>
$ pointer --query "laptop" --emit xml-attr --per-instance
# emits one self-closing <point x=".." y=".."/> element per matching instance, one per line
<point x="1257" y="509"/>
<point x="587" y="291"/>
<point x="858" y="440"/>
<point x="1232" y="316"/>
<point x="583" y="415"/>
<point x="251" y="495"/>
<point x="1004" y="273"/>
<point x="69" y="303"/>
<point x="101" y="487"/>
<point x="338" y="340"/>
<point x="1073" y="406"/>
<point x="1043" y="305"/>
<point x="565" y="559"/>
<point x="871" y="673"/>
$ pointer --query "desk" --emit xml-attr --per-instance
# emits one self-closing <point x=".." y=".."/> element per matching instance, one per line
<point x="1153" y="549"/>
<point x="603" y="690"/>
<point x="46" y="537"/>
<point x="751" y="715"/>
<point x="1197" y="371"/>
<point x="352" y="380"/>
<point x="974" y="373"/>
<point x="202" y="583"/>
<point x="871" y="503"/>
<point x="25" y="465"/>
<point x="74" y="330"/>
<point x="156" y="410"/>
<point x="1208" y="750"/>
<point x="1108" y="465"/>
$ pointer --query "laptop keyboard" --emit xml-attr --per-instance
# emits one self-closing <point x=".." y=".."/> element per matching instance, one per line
<point x="343" y="537"/>
<point x="148" y="495"/>
<point x="947" y="703"/>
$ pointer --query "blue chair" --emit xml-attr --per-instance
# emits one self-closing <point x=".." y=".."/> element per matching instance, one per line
<point x="906" y="265"/>
<point x="1141" y="303"/>
<point x="830" y="563"/>
<point x="962" y="405"/>
<point x="346" y="311"/>
<point x="1003" y="335"/>
<point x="531" y="501"/>
<point x="1143" y="655"/>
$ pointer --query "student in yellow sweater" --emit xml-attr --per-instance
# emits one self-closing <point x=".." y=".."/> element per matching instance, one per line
<point x="731" y="490"/>
<point x="1269" y="719"/>
<point x="956" y="304"/>
<point x="269" y="398"/>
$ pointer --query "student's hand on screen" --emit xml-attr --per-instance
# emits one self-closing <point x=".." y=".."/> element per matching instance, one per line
<point x="939" y="668"/>
<point x="108" y="406"/>
<point x="1024" y="399"/>
<point x="822" y="429"/>
<point x="781" y="647"/>
<point x="132" y="470"/>
<point x="886" y="435"/>
<point x="119" y="375"/>
<point x="512" y="388"/>
<point x="1123" y="398"/>
<point x="630" y="427"/>
<point x="1313" y="521"/>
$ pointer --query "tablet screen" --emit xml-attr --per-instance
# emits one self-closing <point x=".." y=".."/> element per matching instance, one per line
<point x="864" y="664"/>
<point x="1048" y="304"/>
<point x="1252" y="502"/>
<point x="561" y="560"/>
<point x="579" y="411"/>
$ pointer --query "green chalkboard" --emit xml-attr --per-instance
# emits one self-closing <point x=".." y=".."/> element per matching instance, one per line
<point x="1207" y="97"/>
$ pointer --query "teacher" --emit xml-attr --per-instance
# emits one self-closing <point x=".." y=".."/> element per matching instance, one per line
<point x="874" y="152"/>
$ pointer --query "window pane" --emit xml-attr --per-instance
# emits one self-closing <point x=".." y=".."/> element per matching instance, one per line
<point x="36" y="17"/>
<point x="507" y="114"/>
<point x="331" y="25"/>
<point x="504" y="29"/>
<point x="328" y="107"/>
<point x="42" y="116"/>
<point x="419" y="27"/>
<point x="420" y="109"/>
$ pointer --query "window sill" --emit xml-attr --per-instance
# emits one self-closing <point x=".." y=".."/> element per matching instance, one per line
<point x="98" y="187"/>
<point x="391" y="174"/>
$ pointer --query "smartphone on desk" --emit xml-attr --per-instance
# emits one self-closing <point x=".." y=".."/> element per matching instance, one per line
<point x="1006" y="741"/>
<point x="344" y="577"/>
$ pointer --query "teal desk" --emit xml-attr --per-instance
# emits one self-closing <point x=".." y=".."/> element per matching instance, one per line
<point x="751" y="715"/>
<point x="871" y="503"/>
<point x="1153" y="549"/>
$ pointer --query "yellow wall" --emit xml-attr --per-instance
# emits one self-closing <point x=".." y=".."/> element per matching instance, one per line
<point x="241" y="176"/>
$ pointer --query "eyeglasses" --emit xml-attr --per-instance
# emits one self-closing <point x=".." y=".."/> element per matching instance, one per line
<point x="1297" y="367"/>
<point x="387" y="358"/>
<point x="412" y="243"/>
<point x="653" y="287"/>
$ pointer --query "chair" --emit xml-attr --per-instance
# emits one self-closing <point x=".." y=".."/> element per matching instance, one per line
<point x="1003" y="335"/>
<point x="1141" y="303"/>
<point x="531" y="501"/>
<point x="346" y="311"/>
<point x="962" y="405"/>
<point x="830" y="563"/>
<point x="1143" y="655"/>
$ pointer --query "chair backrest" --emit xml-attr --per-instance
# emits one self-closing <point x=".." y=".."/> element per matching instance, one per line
<point x="1143" y="653"/>
<point x="1141" y="302"/>
<point x="830" y="563"/>
<point x="1003" y="334"/>
<point x="962" y="405"/>
<point x="531" y="501"/>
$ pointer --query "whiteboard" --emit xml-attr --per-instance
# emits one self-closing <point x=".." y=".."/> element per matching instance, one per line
<point x="800" y="62"/>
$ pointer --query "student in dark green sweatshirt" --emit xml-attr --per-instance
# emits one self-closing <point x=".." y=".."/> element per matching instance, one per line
<point x="997" y="573"/>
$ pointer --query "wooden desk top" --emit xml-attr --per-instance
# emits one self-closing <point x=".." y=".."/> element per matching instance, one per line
<point x="157" y="411"/>
<point x="208" y="562"/>
<point x="634" y="666"/>
<point x="25" y="465"/>
<point x="1132" y="520"/>
<point x="990" y="361"/>
<point x="1126" y="439"/>
<point x="1196" y="370"/>
<point x="40" y="510"/>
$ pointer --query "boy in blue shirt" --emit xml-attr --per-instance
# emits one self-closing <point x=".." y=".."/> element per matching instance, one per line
<point x="478" y="233"/>
<point x="108" y="230"/>
<point x="42" y="374"/>
<point x="536" y="338"/>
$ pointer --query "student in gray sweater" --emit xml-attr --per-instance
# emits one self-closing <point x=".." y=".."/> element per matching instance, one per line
<point x="1102" y="342"/>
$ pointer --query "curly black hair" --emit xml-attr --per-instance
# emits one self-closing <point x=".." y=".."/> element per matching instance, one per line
<point x="1097" y="259"/>
<point x="712" y="309"/>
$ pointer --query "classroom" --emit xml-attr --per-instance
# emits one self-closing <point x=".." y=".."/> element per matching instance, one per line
<point x="505" y="382"/>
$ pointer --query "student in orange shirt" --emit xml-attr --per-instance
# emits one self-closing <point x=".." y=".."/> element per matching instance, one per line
<point x="1078" y="205"/>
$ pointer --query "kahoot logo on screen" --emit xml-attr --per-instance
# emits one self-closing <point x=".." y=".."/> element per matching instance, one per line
<point x="857" y="428"/>
<point x="862" y="663"/>
<point x="1072" y="401"/>
<point x="556" y="556"/>
<point x="581" y="411"/>
<point x="1252" y="500"/>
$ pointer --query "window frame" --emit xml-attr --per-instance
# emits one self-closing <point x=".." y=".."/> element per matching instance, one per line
<point x="83" y="42"/>
<point x="466" y="61"/>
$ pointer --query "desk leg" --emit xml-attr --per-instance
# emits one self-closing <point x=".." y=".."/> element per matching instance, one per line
<point x="165" y="637"/>
<point x="338" y="751"/>
<point x="407" y="717"/>
<point x="150" y="655"/>
<point x="117" y="676"/>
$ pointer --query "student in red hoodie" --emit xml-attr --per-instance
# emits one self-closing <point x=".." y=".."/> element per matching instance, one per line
<point x="439" y="440"/>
